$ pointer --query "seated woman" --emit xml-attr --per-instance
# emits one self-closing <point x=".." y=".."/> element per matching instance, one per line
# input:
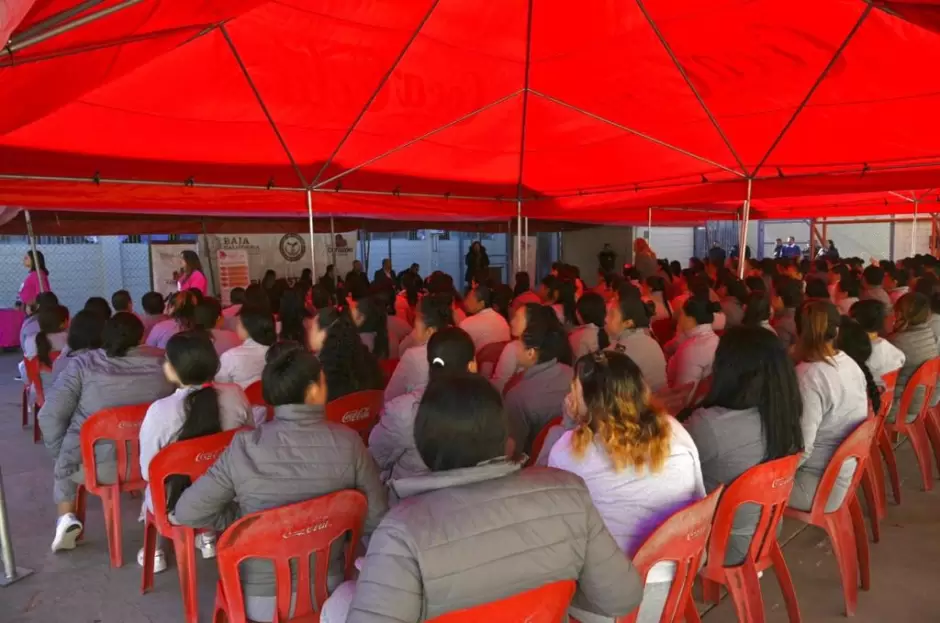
<point x="538" y="395"/>
<point x="208" y="317"/>
<point x="835" y="401"/>
<point x="639" y="464"/>
<point x="244" y="364"/>
<point x="391" y="442"/>
<point x="733" y="296"/>
<point x="297" y="456"/>
<point x="916" y="340"/>
<point x="757" y="311"/>
<point x="786" y="302"/>
<point x="51" y="337"/>
<point x="120" y="374"/>
<point x="750" y="415"/>
<point x="692" y="362"/>
<point x="197" y="408"/>
<point x="590" y="335"/>
<point x="627" y="324"/>
<point x="433" y="314"/>
<point x="371" y="319"/>
<point x="885" y="356"/>
<point x="522" y="293"/>
<point x="84" y="335"/>
<point x="293" y="316"/>
<point x="454" y="544"/>
<point x="347" y="363"/>
<point x="508" y="364"/>
<point x="182" y="310"/>
<point x="655" y="291"/>
<point x="854" y="341"/>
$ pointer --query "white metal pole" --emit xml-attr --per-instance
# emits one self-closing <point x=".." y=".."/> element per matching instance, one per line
<point x="32" y="244"/>
<point x="518" y="235"/>
<point x="744" y="222"/>
<point x="649" y="226"/>
<point x="333" y="241"/>
<point x="11" y="573"/>
<point x="313" y="258"/>
<point x="914" y="230"/>
<point x="526" y="238"/>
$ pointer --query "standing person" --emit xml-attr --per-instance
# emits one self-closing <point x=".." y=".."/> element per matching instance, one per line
<point x="192" y="277"/>
<point x="778" y="249"/>
<point x="357" y="273"/>
<point x="644" y="260"/>
<point x="476" y="261"/>
<point x="37" y="279"/>
<point x="792" y="249"/>
<point x="639" y="464"/>
<point x="832" y="252"/>
<point x="153" y="306"/>
<point x="484" y="324"/>
<point x="328" y="280"/>
<point x="607" y="259"/>
<point x="385" y="276"/>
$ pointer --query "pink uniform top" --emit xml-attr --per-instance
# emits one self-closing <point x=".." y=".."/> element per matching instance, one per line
<point x="30" y="288"/>
<point x="195" y="280"/>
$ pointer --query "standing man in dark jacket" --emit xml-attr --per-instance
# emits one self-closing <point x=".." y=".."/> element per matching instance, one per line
<point x="477" y="261"/>
<point x="607" y="259"/>
<point x="385" y="277"/>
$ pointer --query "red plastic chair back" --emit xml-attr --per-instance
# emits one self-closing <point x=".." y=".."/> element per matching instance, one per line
<point x="675" y="399"/>
<point x="122" y="426"/>
<point x="545" y="604"/>
<point x="925" y="377"/>
<point x="255" y="397"/>
<point x="191" y="458"/>
<point x="768" y="485"/>
<point x="359" y="411"/>
<point x="701" y="390"/>
<point x="388" y="368"/>
<point x="488" y="357"/>
<point x="663" y="329"/>
<point x="887" y="394"/>
<point x="34" y="368"/>
<point x="540" y="440"/>
<point x="293" y="532"/>
<point x="680" y="539"/>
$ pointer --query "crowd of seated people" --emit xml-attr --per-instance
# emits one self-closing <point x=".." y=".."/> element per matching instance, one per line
<point x="790" y="357"/>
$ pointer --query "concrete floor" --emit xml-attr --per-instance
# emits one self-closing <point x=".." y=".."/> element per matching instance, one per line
<point x="80" y="587"/>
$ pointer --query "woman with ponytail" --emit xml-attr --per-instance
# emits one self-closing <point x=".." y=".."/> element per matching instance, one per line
<point x="639" y="464"/>
<point x="854" y="341"/>
<point x="197" y="408"/>
<point x="391" y="442"/>
<point x="590" y="335"/>
<point x="121" y="373"/>
<point x="52" y="336"/>
<point x="757" y="311"/>
<point x="693" y="360"/>
<point x="627" y="324"/>
<point x="84" y="335"/>
<point x="832" y="387"/>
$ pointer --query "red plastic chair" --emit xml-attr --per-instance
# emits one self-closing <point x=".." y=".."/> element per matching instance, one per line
<point x="926" y="377"/>
<point x="191" y="458"/>
<point x="675" y="399"/>
<point x="680" y="539"/>
<point x="293" y="532"/>
<point x="388" y="369"/>
<point x="359" y="411"/>
<point x="34" y="370"/>
<point x="845" y="525"/>
<point x="122" y="426"/>
<point x="546" y="604"/>
<point x="884" y="439"/>
<point x="663" y="329"/>
<point x="768" y="485"/>
<point x="873" y="481"/>
<point x="539" y="440"/>
<point x="256" y="399"/>
<point x="488" y="357"/>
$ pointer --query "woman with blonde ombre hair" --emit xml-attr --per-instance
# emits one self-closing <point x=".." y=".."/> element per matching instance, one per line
<point x="638" y="462"/>
<point x="835" y="401"/>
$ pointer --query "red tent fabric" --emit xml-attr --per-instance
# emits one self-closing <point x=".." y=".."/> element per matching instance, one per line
<point x="451" y="109"/>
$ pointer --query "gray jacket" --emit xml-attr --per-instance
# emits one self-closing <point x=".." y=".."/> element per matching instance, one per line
<point x="465" y="537"/>
<point x="535" y="400"/>
<point x="919" y="345"/>
<point x="89" y="383"/>
<point x="639" y="345"/>
<point x="784" y="323"/>
<point x="298" y="456"/>
<point x="392" y="441"/>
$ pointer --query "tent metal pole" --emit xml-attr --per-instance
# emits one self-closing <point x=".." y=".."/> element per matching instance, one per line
<point x="745" y="219"/>
<point x="914" y="230"/>
<point x="649" y="226"/>
<point x="32" y="243"/>
<point x="11" y="573"/>
<point x="518" y="236"/>
<point x="205" y="238"/>
<point x="332" y="246"/>
<point x="16" y="46"/>
<point x="313" y="257"/>
<point x="526" y="238"/>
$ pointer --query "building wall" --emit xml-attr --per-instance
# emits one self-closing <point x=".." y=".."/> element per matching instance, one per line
<point x="581" y="247"/>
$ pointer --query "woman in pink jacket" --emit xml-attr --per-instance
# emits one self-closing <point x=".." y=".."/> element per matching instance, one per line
<point x="192" y="278"/>
<point x="37" y="275"/>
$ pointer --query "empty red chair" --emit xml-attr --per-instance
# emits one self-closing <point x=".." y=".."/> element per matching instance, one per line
<point x="926" y="378"/>
<point x="663" y="329"/>
<point x="256" y="399"/>
<point x="359" y="411"/>
<point x="845" y="525"/>
<point x="675" y="399"/>
<point x="282" y="535"/>
<point x="767" y="485"/>
<point x="34" y="370"/>
<point x="488" y="357"/>
<point x="191" y="458"/>
<point x="388" y="369"/>
<point x="545" y="604"/>
<point x="539" y="440"/>
<point x="122" y="426"/>
<point x="680" y="539"/>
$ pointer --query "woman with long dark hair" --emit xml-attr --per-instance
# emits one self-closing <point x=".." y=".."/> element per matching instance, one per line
<point x="36" y="280"/>
<point x="639" y="464"/>
<point x="371" y="318"/>
<point x="750" y="415"/>
<point x="84" y="335"/>
<point x="434" y="314"/>
<point x="197" y="408"/>
<point x="589" y="335"/>
<point x="348" y="364"/>
<point x="192" y="277"/>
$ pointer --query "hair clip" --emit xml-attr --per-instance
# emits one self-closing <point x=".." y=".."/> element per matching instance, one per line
<point x="438" y="361"/>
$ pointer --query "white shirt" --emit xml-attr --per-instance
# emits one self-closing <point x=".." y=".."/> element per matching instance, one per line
<point x="885" y="357"/>
<point x="486" y="327"/>
<point x="242" y="364"/>
<point x="166" y="416"/>
<point x="412" y="372"/>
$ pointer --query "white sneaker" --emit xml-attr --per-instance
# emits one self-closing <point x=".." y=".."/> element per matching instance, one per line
<point x="205" y="542"/>
<point x="67" y="530"/>
<point x="159" y="560"/>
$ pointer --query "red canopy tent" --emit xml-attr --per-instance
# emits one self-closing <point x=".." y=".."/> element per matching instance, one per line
<point x="457" y="110"/>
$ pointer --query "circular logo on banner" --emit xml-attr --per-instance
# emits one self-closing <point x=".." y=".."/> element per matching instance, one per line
<point x="292" y="247"/>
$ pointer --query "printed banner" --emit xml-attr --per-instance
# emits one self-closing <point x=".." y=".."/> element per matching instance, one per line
<point x="233" y="272"/>
<point x="166" y="265"/>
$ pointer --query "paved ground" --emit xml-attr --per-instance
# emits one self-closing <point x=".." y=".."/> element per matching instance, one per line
<point x="80" y="587"/>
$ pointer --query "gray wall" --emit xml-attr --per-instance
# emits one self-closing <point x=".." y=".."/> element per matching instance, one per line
<point x="581" y="247"/>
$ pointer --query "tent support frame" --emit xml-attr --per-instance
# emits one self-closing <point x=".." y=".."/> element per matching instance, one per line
<point x="15" y="46"/>
<point x="313" y="257"/>
<point x="745" y="219"/>
<point x="32" y="242"/>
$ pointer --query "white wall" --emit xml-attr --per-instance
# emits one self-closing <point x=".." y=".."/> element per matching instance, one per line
<point x="852" y="239"/>
<point x="672" y="243"/>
